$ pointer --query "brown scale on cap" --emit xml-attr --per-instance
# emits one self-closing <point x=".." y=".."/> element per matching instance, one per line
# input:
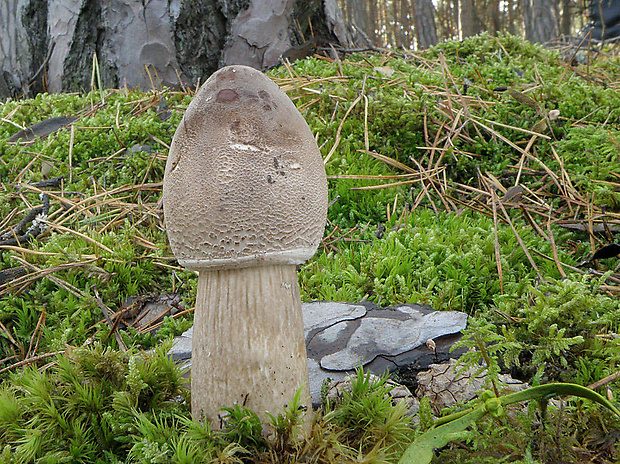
<point x="245" y="149"/>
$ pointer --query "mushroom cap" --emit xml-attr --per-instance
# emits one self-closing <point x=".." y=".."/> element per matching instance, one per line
<point x="245" y="183"/>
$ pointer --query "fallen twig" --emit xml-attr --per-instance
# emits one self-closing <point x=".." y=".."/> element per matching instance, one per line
<point x="32" y="360"/>
<point x="106" y="314"/>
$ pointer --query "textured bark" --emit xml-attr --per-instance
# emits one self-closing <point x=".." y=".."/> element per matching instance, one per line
<point x="513" y="17"/>
<point x="406" y="15"/>
<point x="360" y="15"/>
<point x="254" y="347"/>
<point x="22" y="39"/>
<point x="539" y="21"/>
<point x="493" y="17"/>
<point x="373" y="17"/>
<point x="566" y="21"/>
<point x="469" y="22"/>
<point x="605" y="19"/>
<point x="425" y="29"/>
<point x="50" y="44"/>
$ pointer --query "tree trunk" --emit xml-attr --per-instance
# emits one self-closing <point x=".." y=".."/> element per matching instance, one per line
<point x="469" y="22"/>
<point x="360" y="15"/>
<point x="493" y="17"/>
<point x="605" y="19"/>
<point x="49" y="45"/>
<point x="425" y="29"/>
<point x="373" y="18"/>
<point x="405" y="19"/>
<point x="538" y="21"/>
<point x="397" y="39"/>
<point x="567" y="17"/>
<point x="513" y="15"/>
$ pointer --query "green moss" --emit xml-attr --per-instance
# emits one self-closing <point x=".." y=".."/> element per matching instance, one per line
<point x="444" y="260"/>
<point x="593" y="154"/>
<point x="407" y="102"/>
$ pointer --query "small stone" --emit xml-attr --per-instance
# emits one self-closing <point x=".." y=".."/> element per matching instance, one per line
<point x="398" y="393"/>
<point x="182" y="347"/>
<point x="445" y="388"/>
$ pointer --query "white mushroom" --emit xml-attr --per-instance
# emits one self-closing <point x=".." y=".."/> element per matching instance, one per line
<point x="245" y="202"/>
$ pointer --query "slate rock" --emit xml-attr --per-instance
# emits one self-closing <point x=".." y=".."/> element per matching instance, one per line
<point x="388" y="332"/>
<point x="321" y="314"/>
<point x="182" y="348"/>
<point x="342" y="336"/>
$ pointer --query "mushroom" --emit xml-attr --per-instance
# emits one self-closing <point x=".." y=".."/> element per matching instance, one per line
<point x="245" y="202"/>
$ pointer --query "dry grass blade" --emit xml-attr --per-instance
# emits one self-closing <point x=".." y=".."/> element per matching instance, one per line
<point x="9" y="336"/>
<point x="106" y="314"/>
<point x="431" y="182"/>
<point x="58" y="281"/>
<point x="366" y="139"/>
<point x="554" y="249"/>
<point x="337" y="141"/>
<point x="520" y="240"/>
<point x="382" y="186"/>
<point x="79" y="234"/>
<point x="498" y="256"/>
<point x="28" y="279"/>
<point x="29" y="361"/>
<point x="372" y="177"/>
<point x="499" y="136"/>
<point x="532" y="222"/>
<point x="71" y="142"/>
<point x="605" y="381"/>
<point x="331" y="238"/>
<point x="160" y="323"/>
<point x="157" y="318"/>
<point x="391" y="161"/>
<point x="36" y="335"/>
<point x="39" y="253"/>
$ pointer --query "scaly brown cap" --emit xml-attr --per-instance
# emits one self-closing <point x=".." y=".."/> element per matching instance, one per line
<point x="245" y="182"/>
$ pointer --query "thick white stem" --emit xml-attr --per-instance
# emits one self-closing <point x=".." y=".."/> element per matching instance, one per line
<point x="248" y="346"/>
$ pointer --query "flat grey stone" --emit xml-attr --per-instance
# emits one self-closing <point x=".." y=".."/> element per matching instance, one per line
<point x="342" y="336"/>
<point x="318" y="377"/>
<point x="387" y="332"/>
<point x="321" y="314"/>
<point x="182" y="347"/>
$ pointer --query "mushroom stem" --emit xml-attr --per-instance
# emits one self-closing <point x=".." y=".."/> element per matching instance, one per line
<point x="249" y="341"/>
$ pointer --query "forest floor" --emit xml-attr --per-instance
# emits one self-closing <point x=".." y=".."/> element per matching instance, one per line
<point x="481" y="176"/>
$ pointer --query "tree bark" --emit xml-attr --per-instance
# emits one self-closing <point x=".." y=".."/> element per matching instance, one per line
<point x="49" y="45"/>
<point x="566" y="21"/>
<point x="493" y="17"/>
<point x="406" y="13"/>
<point x="469" y="22"/>
<point x="512" y="8"/>
<point x="373" y="19"/>
<point x="425" y="29"/>
<point x="539" y="21"/>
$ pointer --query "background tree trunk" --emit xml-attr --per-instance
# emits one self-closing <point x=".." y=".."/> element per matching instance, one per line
<point x="50" y="44"/>
<point x="539" y="20"/>
<point x="373" y="16"/>
<point x="469" y="22"/>
<point x="513" y="10"/>
<point x="567" y="16"/>
<point x="425" y="29"/>
<point x="360" y="15"/>
<point x="493" y="17"/>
